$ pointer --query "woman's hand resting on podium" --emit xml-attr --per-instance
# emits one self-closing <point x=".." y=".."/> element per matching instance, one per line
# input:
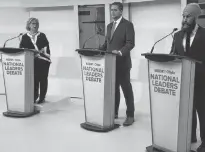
<point x="44" y="52"/>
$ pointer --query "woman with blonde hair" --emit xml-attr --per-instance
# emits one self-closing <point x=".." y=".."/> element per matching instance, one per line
<point x="34" y="39"/>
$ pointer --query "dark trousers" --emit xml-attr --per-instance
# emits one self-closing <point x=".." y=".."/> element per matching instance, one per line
<point x="41" y="70"/>
<point x="199" y="107"/>
<point x="123" y="80"/>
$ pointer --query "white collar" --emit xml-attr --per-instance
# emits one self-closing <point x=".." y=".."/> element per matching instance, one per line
<point x="118" y="20"/>
<point x="34" y="38"/>
<point x="32" y="35"/>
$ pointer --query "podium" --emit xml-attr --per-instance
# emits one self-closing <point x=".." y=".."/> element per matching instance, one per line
<point x="18" y="74"/>
<point x="98" y="79"/>
<point x="171" y="89"/>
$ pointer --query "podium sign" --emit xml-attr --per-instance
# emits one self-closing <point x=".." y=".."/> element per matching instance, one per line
<point x="14" y="74"/>
<point x="165" y="80"/>
<point x="18" y="73"/>
<point x="171" y="87"/>
<point x="93" y="77"/>
<point x="98" y="78"/>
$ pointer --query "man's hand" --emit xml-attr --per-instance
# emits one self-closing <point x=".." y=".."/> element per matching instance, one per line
<point x="37" y="55"/>
<point x="117" y="52"/>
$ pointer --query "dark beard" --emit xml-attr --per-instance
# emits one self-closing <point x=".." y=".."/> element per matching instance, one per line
<point x="190" y="28"/>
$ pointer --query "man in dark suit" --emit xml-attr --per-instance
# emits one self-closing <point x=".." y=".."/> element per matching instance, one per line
<point x="120" y="40"/>
<point x="190" y="41"/>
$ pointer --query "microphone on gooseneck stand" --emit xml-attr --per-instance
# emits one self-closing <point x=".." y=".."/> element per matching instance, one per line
<point x="88" y="40"/>
<point x="11" y="39"/>
<point x="175" y="29"/>
<point x="97" y="32"/>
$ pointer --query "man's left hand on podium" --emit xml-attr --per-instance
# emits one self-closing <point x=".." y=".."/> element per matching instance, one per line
<point x="37" y="55"/>
<point x="117" y="52"/>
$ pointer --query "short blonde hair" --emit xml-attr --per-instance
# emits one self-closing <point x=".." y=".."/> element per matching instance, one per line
<point x="29" y="22"/>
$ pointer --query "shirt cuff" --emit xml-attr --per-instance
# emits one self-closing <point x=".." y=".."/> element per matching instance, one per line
<point x="120" y="53"/>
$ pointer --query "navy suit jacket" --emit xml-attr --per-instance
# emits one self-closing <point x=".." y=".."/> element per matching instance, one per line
<point x="197" y="52"/>
<point x="123" y="40"/>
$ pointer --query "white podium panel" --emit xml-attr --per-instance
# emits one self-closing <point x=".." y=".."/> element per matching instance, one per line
<point x="98" y="78"/>
<point x="165" y="80"/>
<point x="18" y="75"/>
<point x="93" y="77"/>
<point x="171" y="88"/>
<point x="14" y="75"/>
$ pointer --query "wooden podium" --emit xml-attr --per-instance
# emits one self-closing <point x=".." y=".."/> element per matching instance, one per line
<point x="171" y="89"/>
<point x="98" y="78"/>
<point x="18" y="74"/>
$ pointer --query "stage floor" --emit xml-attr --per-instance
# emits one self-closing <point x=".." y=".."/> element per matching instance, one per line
<point x="57" y="129"/>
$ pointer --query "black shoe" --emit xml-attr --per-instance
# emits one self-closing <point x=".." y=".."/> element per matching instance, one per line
<point x="40" y="101"/>
<point x="129" y="121"/>
<point x="193" y="140"/>
<point x="35" y="100"/>
<point x="201" y="148"/>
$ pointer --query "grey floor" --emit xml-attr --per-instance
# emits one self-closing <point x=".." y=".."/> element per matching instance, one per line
<point x="57" y="129"/>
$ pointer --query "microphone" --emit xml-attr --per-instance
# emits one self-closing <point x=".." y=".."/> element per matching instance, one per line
<point x="12" y="39"/>
<point x="97" y="32"/>
<point x="88" y="40"/>
<point x="175" y="29"/>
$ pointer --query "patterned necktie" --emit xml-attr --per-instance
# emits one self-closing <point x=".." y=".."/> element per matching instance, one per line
<point x="113" y="28"/>
<point x="188" y="42"/>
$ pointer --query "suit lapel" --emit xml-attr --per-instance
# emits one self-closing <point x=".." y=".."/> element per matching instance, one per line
<point x="196" y="38"/>
<point x="179" y="43"/>
<point x="115" y="29"/>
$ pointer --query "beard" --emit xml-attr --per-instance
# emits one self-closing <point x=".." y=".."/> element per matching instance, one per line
<point x="187" y="27"/>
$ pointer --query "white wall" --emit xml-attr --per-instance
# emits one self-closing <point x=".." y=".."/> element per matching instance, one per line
<point x="152" y="21"/>
<point x="51" y="3"/>
<point x="60" y="26"/>
<point x="13" y="22"/>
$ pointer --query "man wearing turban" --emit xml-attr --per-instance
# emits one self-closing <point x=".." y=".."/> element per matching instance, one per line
<point x="190" y="41"/>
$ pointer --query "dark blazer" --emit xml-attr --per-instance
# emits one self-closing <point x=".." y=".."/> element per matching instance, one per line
<point x="197" y="52"/>
<point x="123" y="39"/>
<point x="41" y="42"/>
